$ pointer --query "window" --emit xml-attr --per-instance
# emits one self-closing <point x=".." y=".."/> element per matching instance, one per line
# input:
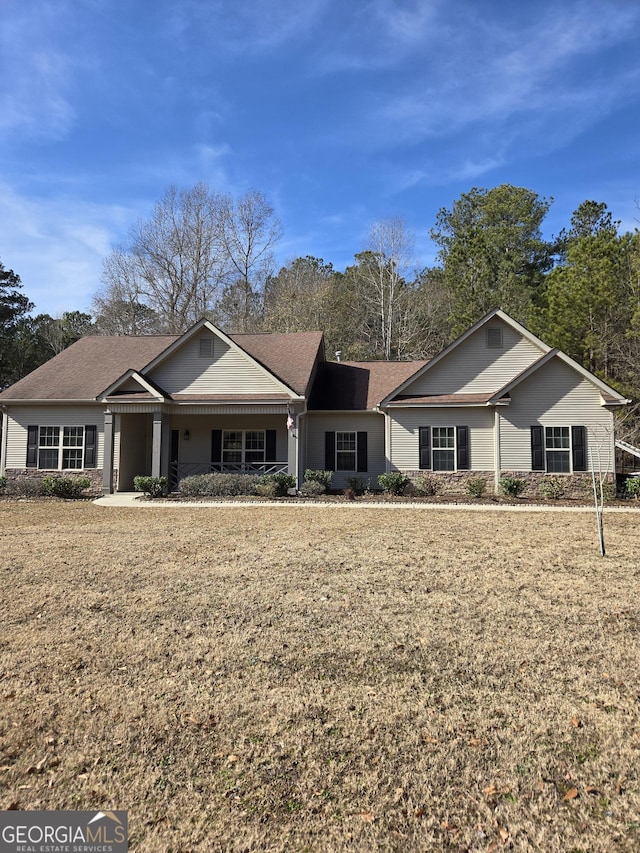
<point x="346" y="451"/>
<point x="444" y="448"/>
<point x="443" y="443"/>
<point x="558" y="449"/>
<point x="240" y="447"/>
<point x="61" y="448"/>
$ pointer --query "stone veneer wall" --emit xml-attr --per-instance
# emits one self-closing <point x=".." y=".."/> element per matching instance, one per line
<point x="455" y="482"/>
<point x="30" y="476"/>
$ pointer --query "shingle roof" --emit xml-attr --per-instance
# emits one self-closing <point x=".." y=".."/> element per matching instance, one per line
<point x="358" y="385"/>
<point x="86" y="368"/>
<point x="291" y="357"/>
<point x="92" y="364"/>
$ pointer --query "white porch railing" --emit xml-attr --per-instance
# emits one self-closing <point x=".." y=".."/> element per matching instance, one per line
<point x="179" y="470"/>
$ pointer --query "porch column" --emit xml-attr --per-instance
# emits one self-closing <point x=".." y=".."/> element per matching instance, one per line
<point x="292" y="449"/>
<point x="107" y="457"/>
<point x="160" y="445"/>
<point x="496" y="450"/>
<point x="156" y="445"/>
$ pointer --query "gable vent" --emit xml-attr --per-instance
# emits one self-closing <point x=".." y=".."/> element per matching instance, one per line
<point x="206" y="347"/>
<point x="494" y="337"/>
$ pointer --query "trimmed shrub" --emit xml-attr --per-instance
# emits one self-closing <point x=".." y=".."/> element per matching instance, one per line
<point x="512" y="487"/>
<point x="281" y="483"/>
<point x="69" y="488"/>
<point x="427" y="486"/>
<point x="394" y="483"/>
<point x="219" y="485"/>
<point x="476" y="487"/>
<point x="358" y="485"/>
<point x="312" y="489"/>
<point x="153" y="487"/>
<point x="3" y="485"/>
<point x="552" y="488"/>
<point x="632" y="487"/>
<point x="324" y="477"/>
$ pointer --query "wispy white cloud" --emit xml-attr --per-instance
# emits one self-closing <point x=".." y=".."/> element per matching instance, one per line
<point x="493" y="72"/>
<point x="36" y="71"/>
<point x="56" y="246"/>
<point x="241" y="27"/>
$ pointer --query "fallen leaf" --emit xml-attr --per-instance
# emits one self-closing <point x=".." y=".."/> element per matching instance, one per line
<point x="576" y="723"/>
<point x="504" y="835"/>
<point x="231" y="759"/>
<point x="429" y="739"/>
<point x="571" y="794"/>
<point x="367" y="817"/>
<point x="490" y="790"/>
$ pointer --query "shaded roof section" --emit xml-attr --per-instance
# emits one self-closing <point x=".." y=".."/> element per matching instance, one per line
<point x="358" y="385"/>
<point x="445" y="399"/>
<point x="92" y="364"/>
<point x="86" y="368"/>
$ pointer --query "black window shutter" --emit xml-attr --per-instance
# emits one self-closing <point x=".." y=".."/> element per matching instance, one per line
<point x="270" y="445"/>
<point x="462" y="448"/>
<point x="32" y="446"/>
<point x="361" y="447"/>
<point x="90" y="434"/>
<point x="216" y="446"/>
<point x="330" y="451"/>
<point x="579" y="448"/>
<point x="424" y="445"/>
<point x="537" y="448"/>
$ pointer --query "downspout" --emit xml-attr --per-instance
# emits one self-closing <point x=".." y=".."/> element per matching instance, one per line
<point x="4" y="425"/>
<point x="496" y="449"/>
<point x="387" y="439"/>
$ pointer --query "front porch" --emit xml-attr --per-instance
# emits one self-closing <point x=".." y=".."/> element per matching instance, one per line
<point x="182" y="443"/>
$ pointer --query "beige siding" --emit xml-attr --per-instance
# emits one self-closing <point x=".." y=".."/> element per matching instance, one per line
<point x="226" y="371"/>
<point x="555" y="396"/>
<point x="405" y="424"/>
<point x="20" y="417"/>
<point x="472" y="367"/>
<point x="371" y="423"/>
<point x="198" y="447"/>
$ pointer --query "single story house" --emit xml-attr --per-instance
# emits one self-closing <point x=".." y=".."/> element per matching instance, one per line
<point x="498" y="401"/>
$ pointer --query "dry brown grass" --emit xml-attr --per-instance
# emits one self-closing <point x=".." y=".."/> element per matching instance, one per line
<point x="324" y="679"/>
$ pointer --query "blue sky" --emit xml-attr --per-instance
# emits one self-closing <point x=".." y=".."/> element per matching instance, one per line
<point x="340" y="111"/>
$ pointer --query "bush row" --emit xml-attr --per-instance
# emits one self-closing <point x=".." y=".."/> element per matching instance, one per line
<point x="69" y="488"/>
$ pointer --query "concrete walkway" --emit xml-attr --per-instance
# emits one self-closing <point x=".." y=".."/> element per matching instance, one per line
<point x="135" y="499"/>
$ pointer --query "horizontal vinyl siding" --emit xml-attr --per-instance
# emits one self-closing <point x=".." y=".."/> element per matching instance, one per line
<point x="198" y="448"/>
<point x="405" y="424"/>
<point x="372" y="424"/>
<point x="555" y="396"/>
<point x="227" y="371"/>
<point x="475" y="368"/>
<point x="21" y="417"/>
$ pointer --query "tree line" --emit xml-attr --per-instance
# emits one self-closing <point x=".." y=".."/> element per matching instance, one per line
<point x="207" y="254"/>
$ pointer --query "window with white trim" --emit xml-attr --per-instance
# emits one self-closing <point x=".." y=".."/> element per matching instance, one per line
<point x="345" y="451"/>
<point x="243" y="447"/>
<point x="443" y="448"/>
<point x="558" y="449"/>
<point x="55" y="448"/>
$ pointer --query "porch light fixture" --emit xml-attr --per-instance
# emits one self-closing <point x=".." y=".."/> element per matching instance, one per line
<point x="185" y="435"/>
